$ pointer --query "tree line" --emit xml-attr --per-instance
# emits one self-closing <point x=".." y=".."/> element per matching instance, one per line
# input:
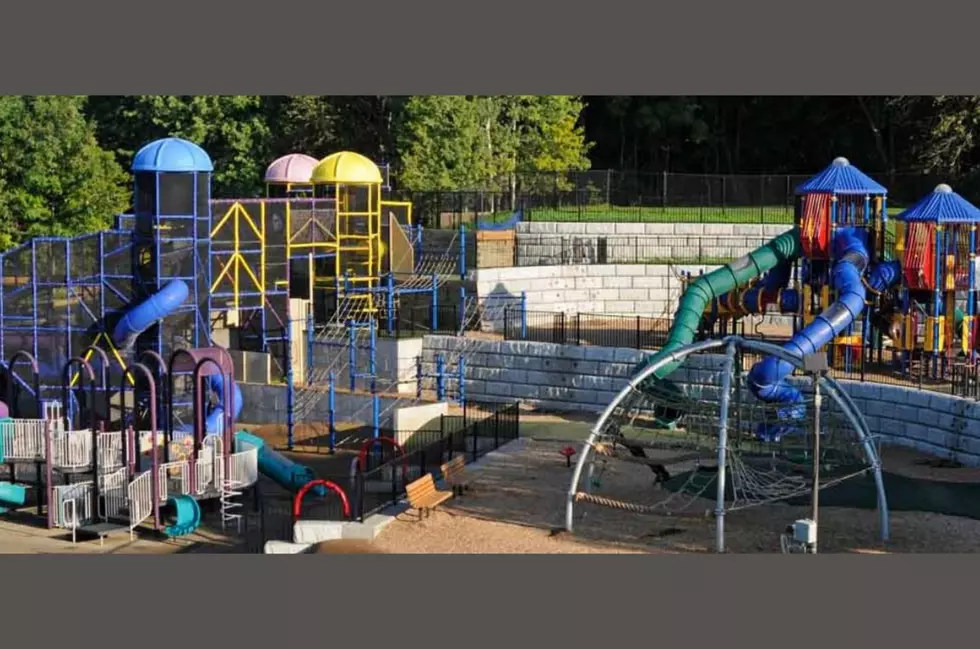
<point x="64" y="159"/>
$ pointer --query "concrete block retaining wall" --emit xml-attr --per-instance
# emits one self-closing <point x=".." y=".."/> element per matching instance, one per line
<point x="553" y="243"/>
<point x="569" y="378"/>
<point x="650" y="290"/>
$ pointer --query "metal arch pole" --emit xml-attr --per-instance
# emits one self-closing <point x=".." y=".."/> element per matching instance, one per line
<point x="726" y="387"/>
<point x="833" y="388"/>
<point x="636" y="380"/>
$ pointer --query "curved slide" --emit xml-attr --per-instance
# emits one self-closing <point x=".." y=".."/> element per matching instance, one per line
<point x="778" y="252"/>
<point x="280" y="469"/>
<point x="187" y="516"/>
<point x="141" y="317"/>
<point x="766" y="379"/>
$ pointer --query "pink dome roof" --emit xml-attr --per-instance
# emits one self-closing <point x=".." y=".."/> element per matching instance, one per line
<point x="292" y="168"/>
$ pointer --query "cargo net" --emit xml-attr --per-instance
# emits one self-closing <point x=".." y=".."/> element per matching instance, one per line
<point x="59" y="297"/>
<point x="656" y="449"/>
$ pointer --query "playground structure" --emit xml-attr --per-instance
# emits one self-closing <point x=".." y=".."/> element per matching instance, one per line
<point x="187" y="279"/>
<point x="850" y="282"/>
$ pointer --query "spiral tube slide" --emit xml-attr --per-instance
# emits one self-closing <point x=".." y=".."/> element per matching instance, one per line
<point x="142" y="316"/>
<point x="766" y="379"/>
<point x="289" y="475"/>
<point x="779" y="252"/>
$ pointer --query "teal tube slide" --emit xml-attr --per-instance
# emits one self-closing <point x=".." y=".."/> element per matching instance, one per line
<point x="188" y="516"/>
<point x="280" y="469"/>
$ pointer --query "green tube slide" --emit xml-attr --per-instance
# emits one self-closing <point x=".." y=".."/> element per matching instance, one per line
<point x="783" y="249"/>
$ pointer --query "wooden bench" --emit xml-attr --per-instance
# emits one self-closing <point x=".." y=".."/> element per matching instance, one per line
<point x="454" y="473"/>
<point x="424" y="496"/>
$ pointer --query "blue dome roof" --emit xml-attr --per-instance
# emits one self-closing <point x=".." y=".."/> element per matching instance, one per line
<point x="172" y="154"/>
<point x="943" y="205"/>
<point x="841" y="178"/>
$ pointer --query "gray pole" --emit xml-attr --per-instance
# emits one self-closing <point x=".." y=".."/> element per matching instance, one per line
<point x="816" y="456"/>
<point x="816" y="365"/>
<point x="726" y="386"/>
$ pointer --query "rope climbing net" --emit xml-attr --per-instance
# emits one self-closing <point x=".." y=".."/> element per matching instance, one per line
<point x="688" y="437"/>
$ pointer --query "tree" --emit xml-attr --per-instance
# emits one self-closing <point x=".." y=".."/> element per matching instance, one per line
<point x="477" y="142"/>
<point x="55" y="180"/>
<point x="234" y="130"/>
<point x="441" y="144"/>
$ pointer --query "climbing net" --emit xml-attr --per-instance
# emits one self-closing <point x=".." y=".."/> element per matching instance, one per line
<point x="698" y="442"/>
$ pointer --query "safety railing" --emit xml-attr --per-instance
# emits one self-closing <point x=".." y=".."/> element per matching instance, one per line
<point x="244" y="468"/>
<point x="71" y="449"/>
<point x="110" y="450"/>
<point x="204" y="472"/>
<point x="174" y="478"/>
<point x="112" y="488"/>
<point x="139" y="494"/>
<point x="79" y="512"/>
<point x="23" y="439"/>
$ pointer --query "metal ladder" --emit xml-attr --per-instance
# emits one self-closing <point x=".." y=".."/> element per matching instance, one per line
<point x="228" y="506"/>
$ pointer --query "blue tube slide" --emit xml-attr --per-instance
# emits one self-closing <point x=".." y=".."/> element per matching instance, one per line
<point x="289" y="475"/>
<point x="216" y="382"/>
<point x="766" y="379"/>
<point x="142" y="316"/>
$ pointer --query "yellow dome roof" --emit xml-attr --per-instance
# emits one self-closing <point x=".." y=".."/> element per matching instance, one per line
<point x="346" y="167"/>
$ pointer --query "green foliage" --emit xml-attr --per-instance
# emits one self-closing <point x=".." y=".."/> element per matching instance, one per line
<point x="234" y="130"/>
<point x="480" y="142"/>
<point x="55" y="180"/>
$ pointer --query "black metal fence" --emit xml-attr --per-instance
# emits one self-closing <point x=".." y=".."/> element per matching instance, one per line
<point x="639" y="196"/>
<point x="471" y="436"/>
<point x="383" y="479"/>
<point x="638" y="332"/>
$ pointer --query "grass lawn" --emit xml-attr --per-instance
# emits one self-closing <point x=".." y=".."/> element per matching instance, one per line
<point x="773" y="214"/>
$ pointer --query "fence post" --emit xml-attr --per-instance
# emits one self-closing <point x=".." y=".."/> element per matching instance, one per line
<point x="496" y="428"/>
<point x="390" y="299"/>
<point x="462" y="381"/>
<point x="462" y="252"/>
<point x="473" y="428"/>
<point x="638" y="345"/>
<point x="434" y="328"/>
<point x="375" y="411"/>
<point x="310" y="340"/>
<point x="461" y="325"/>
<point x="440" y="371"/>
<point x="663" y="190"/>
<point x="359" y="495"/>
<point x="523" y="315"/>
<point x="506" y="308"/>
<point x="418" y="377"/>
<point x="332" y="414"/>
<point x="578" y="328"/>
<point x="352" y="354"/>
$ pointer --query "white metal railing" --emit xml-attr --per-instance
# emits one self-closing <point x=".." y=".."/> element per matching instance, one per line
<point x="204" y="471"/>
<point x="71" y="449"/>
<point x="112" y="488"/>
<point x="69" y="515"/>
<point x="81" y="510"/>
<point x="139" y="494"/>
<point x="174" y="477"/>
<point x="244" y="468"/>
<point x="23" y="439"/>
<point x="110" y="450"/>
